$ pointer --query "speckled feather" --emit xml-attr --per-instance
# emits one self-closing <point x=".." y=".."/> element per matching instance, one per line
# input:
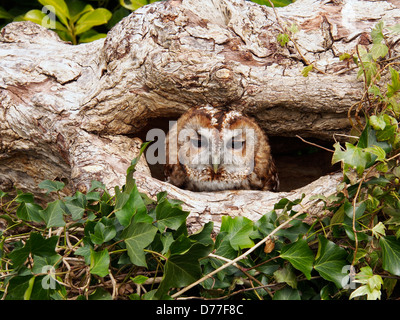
<point x="185" y="169"/>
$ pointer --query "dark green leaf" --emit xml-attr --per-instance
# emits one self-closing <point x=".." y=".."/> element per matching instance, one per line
<point x="100" y="294"/>
<point x="128" y="205"/>
<point x="103" y="231"/>
<point x="183" y="269"/>
<point x="53" y="214"/>
<point x="51" y="186"/>
<point x="99" y="262"/>
<point x="170" y="215"/>
<point x="287" y="293"/>
<point x="300" y="256"/>
<point x="395" y="85"/>
<point x="330" y="261"/>
<point x="390" y="254"/>
<point x="36" y="245"/>
<point x="137" y="237"/>
<point x="29" y="212"/>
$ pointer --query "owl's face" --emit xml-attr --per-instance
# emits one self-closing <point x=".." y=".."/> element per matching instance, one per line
<point x="215" y="150"/>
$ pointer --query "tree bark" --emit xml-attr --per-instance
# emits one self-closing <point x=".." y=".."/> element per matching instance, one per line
<point x="73" y="112"/>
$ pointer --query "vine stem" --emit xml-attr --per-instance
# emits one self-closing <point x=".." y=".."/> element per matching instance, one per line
<point x="244" y="255"/>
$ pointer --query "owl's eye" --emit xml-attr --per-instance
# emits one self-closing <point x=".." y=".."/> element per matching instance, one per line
<point x="199" y="142"/>
<point x="235" y="144"/>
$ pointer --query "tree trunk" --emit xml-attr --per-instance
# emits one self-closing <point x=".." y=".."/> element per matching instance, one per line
<point x="74" y="113"/>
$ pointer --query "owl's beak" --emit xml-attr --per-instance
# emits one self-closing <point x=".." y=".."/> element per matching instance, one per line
<point x="215" y="167"/>
<point x="215" y="163"/>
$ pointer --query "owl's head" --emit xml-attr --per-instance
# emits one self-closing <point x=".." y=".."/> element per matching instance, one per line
<point x="210" y="149"/>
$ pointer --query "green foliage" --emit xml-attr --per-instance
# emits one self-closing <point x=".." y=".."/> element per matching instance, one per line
<point x="91" y="242"/>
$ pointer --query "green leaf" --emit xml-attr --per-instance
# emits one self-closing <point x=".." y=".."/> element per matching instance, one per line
<point x="51" y="186"/>
<point x="277" y="3"/>
<point x="76" y="207"/>
<point x="287" y="294"/>
<point x="170" y="215"/>
<point x="306" y="70"/>
<point x="100" y="294"/>
<point x="77" y="9"/>
<point x="35" y="245"/>
<point x="238" y="231"/>
<point x="137" y="237"/>
<point x="59" y="8"/>
<point x="140" y="279"/>
<point x="183" y="269"/>
<point x="377" y="33"/>
<point x="99" y="262"/>
<point x="378" y="152"/>
<point x="395" y="85"/>
<point x="17" y="287"/>
<point x="283" y="39"/>
<point x="379" y="50"/>
<point x="128" y="205"/>
<point x="330" y="261"/>
<point x="29" y="212"/>
<point x="286" y="275"/>
<point x="91" y="19"/>
<point x="377" y="122"/>
<point x="353" y="156"/>
<point x="132" y="4"/>
<point x="91" y="35"/>
<point x="300" y="256"/>
<point x="344" y="56"/>
<point x="103" y="231"/>
<point x="53" y="214"/>
<point x="390" y="254"/>
<point x="349" y="209"/>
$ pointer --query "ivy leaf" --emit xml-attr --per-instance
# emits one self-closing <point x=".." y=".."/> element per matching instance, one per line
<point x="184" y="268"/>
<point x="286" y="275"/>
<point x="137" y="237"/>
<point x="379" y="50"/>
<point x="377" y="122"/>
<point x="104" y="231"/>
<point x="238" y="231"/>
<point x="283" y="39"/>
<point x="300" y="256"/>
<point x="377" y="33"/>
<point x="330" y="261"/>
<point x="127" y="205"/>
<point x="51" y="186"/>
<point x="53" y="214"/>
<point x="99" y="262"/>
<point x="169" y="214"/>
<point x="287" y="294"/>
<point x="353" y="156"/>
<point x="395" y="85"/>
<point x="390" y="254"/>
<point x="306" y="70"/>
<point x="35" y="245"/>
<point x="29" y="212"/>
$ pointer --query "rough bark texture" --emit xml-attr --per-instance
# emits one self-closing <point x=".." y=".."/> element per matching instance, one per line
<point x="72" y="112"/>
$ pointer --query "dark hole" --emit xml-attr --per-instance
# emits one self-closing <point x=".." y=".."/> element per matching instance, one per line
<point x="297" y="162"/>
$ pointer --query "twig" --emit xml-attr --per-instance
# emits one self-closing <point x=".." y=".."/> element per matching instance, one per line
<point x="177" y="294"/>
<point x="314" y="144"/>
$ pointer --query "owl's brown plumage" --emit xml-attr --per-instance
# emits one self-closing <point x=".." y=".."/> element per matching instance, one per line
<point x="209" y="149"/>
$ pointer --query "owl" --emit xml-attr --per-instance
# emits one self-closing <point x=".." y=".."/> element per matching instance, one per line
<point x="209" y="149"/>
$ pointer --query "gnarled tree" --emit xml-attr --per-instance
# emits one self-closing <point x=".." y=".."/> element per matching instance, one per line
<point x="74" y="112"/>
